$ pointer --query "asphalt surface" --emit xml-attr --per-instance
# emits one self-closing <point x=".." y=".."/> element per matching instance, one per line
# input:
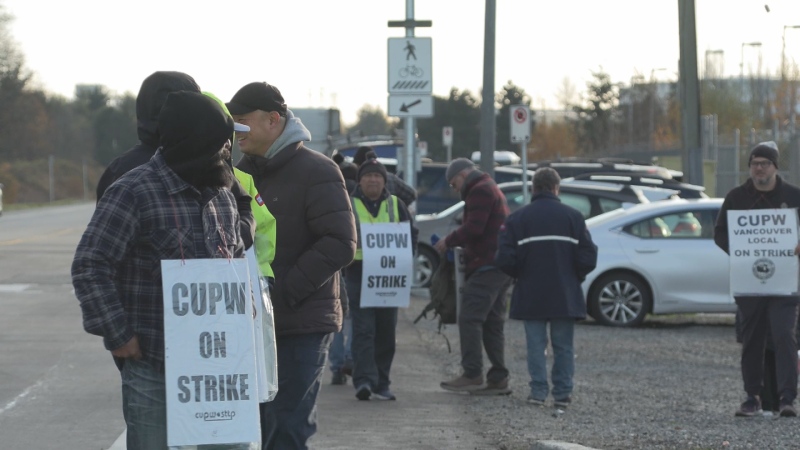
<point x="60" y="388"/>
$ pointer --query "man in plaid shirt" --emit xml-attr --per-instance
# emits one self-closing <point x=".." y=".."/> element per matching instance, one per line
<point x="176" y="206"/>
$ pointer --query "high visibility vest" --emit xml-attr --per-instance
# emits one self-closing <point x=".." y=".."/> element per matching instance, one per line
<point x="266" y="226"/>
<point x="387" y="213"/>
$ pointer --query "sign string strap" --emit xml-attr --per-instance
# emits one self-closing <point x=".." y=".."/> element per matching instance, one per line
<point x="178" y="226"/>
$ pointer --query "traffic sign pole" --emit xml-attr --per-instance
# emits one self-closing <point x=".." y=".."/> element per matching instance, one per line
<point x="447" y="140"/>
<point x="521" y="133"/>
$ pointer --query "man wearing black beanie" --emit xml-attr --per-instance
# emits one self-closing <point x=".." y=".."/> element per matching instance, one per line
<point x="175" y="206"/>
<point x="373" y="339"/>
<point x="759" y="315"/>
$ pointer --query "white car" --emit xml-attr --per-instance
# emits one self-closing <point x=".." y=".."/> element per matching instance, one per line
<point x="657" y="258"/>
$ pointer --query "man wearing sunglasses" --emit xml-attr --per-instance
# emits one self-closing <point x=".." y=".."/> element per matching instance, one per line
<point x="760" y="315"/>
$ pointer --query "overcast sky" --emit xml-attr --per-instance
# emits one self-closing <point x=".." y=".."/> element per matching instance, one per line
<point x="326" y="53"/>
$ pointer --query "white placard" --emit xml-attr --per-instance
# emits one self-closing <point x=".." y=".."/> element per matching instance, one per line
<point x="761" y="245"/>
<point x="210" y="363"/>
<point x="264" y="333"/>
<point x="388" y="265"/>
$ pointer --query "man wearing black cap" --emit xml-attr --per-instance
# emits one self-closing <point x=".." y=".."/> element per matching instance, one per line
<point x="373" y="340"/>
<point x="765" y="189"/>
<point x="481" y="316"/>
<point x="315" y="239"/>
<point x="175" y="206"/>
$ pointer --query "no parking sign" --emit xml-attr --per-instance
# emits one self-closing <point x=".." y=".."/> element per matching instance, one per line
<point x="520" y="124"/>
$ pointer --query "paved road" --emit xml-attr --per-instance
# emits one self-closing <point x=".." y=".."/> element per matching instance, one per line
<point x="60" y="389"/>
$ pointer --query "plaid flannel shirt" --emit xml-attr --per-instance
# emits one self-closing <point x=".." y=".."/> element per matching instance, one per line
<point x="148" y="215"/>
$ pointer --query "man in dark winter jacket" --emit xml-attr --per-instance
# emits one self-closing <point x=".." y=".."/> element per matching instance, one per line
<point x="481" y="317"/>
<point x="546" y="247"/>
<point x="316" y="238"/>
<point x="765" y="189"/>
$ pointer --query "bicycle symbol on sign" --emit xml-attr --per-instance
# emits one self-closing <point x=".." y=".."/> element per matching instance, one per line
<point x="411" y="70"/>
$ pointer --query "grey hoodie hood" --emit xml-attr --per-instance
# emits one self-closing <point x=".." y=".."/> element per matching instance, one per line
<point x="294" y="131"/>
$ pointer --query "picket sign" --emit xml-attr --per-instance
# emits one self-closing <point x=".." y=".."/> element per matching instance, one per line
<point x="761" y="246"/>
<point x="388" y="265"/>
<point x="266" y="352"/>
<point x="210" y="358"/>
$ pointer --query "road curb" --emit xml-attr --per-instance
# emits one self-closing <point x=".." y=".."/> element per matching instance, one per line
<point x="558" y="445"/>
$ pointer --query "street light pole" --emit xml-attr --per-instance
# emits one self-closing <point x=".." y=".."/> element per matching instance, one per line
<point x="741" y="60"/>
<point x="783" y="51"/>
<point x="653" y="103"/>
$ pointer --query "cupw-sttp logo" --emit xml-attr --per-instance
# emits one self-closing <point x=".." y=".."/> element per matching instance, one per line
<point x="763" y="269"/>
<point x="258" y="200"/>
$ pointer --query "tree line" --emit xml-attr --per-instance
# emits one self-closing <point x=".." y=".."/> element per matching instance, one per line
<point x="606" y="118"/>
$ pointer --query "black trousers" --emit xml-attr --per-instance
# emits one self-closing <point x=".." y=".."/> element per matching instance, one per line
<point x="780" y="315"/>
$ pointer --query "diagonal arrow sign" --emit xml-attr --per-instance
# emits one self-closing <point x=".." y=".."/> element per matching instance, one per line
<point x="405" y="107"/>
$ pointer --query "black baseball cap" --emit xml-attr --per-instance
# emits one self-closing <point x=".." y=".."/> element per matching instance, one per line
<point x="257" y="95"/>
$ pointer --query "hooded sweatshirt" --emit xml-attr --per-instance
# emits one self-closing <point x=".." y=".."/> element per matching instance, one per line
<point x="149" y="101"/>
<point x="294" y="131"/>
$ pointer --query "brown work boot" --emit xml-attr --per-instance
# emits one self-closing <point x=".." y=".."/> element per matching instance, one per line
<point x="463" y="384"/>
<point x="494" y="388"/>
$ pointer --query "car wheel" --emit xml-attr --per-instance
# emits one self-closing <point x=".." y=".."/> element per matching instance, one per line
<point x="620" y="300"/>
<point x="427" y="261"/>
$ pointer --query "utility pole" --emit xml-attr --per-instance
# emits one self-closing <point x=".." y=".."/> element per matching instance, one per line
<point x="488" y="124"/>
<point x="692" y="158"/>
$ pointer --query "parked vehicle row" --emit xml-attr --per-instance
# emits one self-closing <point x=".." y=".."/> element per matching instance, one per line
<point x="589" y="197"/>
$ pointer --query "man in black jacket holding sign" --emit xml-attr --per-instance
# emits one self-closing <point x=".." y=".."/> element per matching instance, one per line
<point x="765" y="189"/>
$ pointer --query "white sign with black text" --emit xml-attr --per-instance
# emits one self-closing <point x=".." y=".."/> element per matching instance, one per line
<point x="388" y="265"/>
<point x="210" y="361"/>
<point x="761" y="245"/>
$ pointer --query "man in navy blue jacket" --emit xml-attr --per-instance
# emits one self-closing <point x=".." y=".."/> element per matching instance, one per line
<point x="546" y="247"/>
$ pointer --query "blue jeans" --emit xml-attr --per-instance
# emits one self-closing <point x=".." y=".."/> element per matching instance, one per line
<point x="373" y="339"/>
<point x="340" y="346"/>
<point x="290" y="419"/>
<point x="145" y="409"/>
<point x="561" y="336"/>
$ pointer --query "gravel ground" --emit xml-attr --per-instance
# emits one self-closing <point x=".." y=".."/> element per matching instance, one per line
<point x="673" y="383"/>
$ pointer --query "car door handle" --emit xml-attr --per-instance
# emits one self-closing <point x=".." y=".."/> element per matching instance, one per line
<point x="646" y="250"/>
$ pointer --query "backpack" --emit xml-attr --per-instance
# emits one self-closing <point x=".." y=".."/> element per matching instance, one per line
<point x="443" y="296"/>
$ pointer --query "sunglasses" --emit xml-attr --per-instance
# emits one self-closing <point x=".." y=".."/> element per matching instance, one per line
<point x="761" y="164"/>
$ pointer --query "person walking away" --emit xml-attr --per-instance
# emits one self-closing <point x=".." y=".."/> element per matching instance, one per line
<point x="315" y="239"/>
<point x="764" y="189"/>
<point x="373" y="345"/>
<point x="175" y="206"/>
<point x="547" y="249"/>
<point x="481" y="317"/>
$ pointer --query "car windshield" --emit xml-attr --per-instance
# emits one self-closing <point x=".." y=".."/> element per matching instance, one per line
<point x="605" y="217"/>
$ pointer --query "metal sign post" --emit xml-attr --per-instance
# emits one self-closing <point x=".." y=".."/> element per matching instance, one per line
<point x="521" y="134"/>
<point x="414" y="81"/>
<point x="447" y="140"/>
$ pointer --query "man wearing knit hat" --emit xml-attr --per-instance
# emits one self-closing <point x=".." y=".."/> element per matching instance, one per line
<point x="373" y="339"/>
<point x="394" y="184"/>
<point x="175" y="206"/>
<point x="765" y="189"/>
<point x="482" y="312"/>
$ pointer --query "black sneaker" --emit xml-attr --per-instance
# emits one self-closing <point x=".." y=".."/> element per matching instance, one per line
<point x="750" y="407"/>
<point x="363" y="392"/>
<point x="787" y="410"/>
